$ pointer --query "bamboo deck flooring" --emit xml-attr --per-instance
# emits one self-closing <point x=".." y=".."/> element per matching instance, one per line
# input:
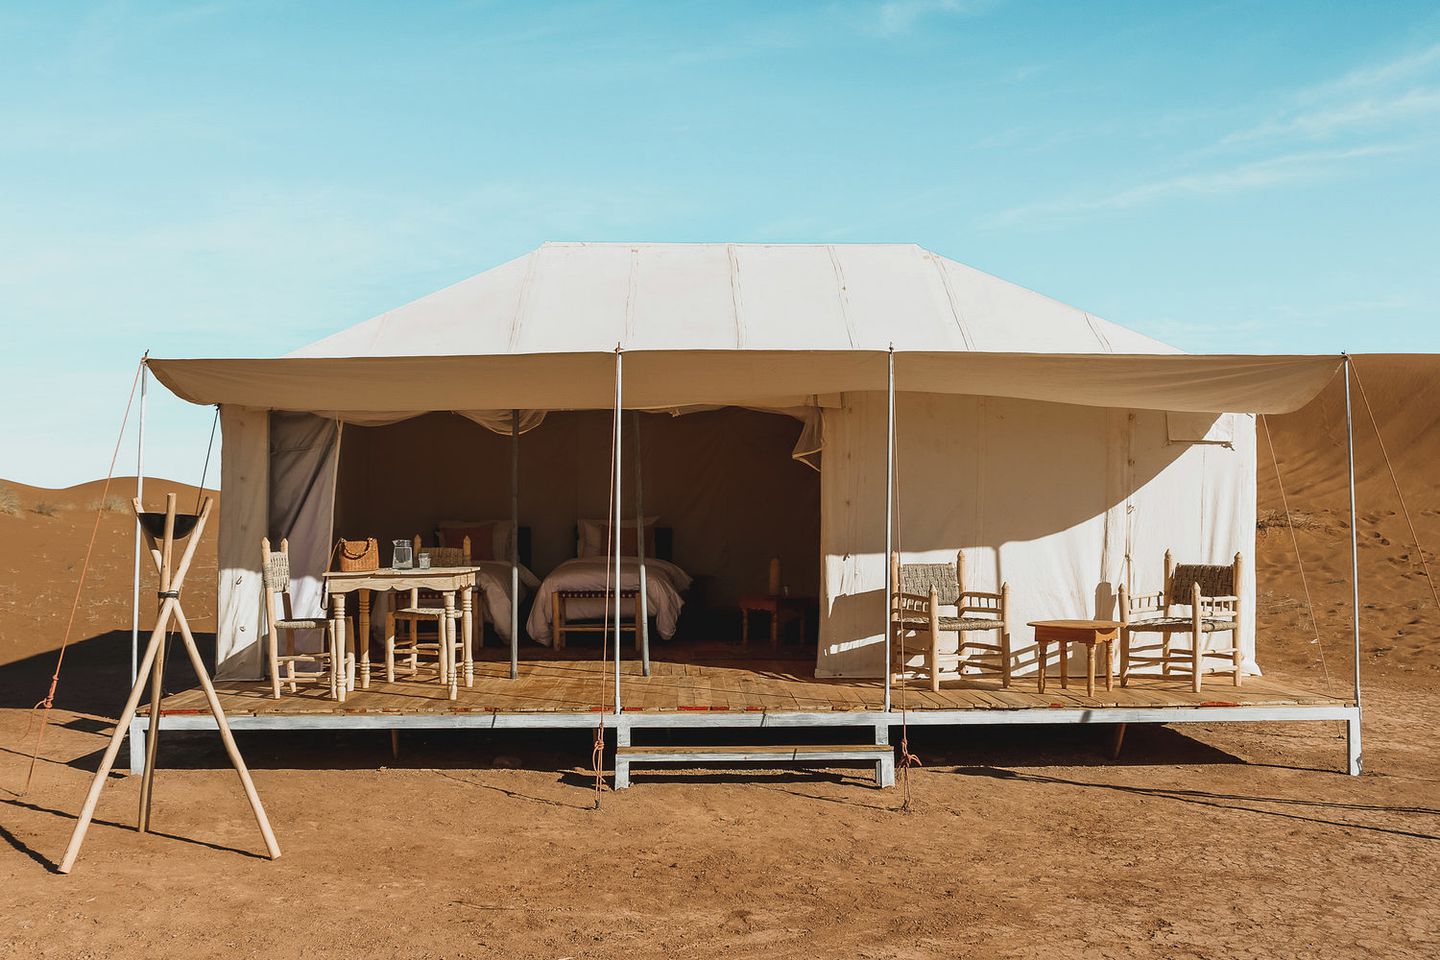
<point x="714" y="679"/>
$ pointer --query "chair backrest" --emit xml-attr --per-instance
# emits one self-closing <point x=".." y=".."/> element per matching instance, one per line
<point x="450" y="556"/>
<point x="921" y="578"/>
<point x="275" y="566"/>
<point x="1214" y="580"/>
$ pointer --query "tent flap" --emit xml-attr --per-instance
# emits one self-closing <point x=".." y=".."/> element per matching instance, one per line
<point x="392" y="387"/>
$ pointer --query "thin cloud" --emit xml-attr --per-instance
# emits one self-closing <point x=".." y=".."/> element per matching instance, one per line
<point x="1402" y="90"/>
<point x="1329" y="123"/>
<point x="1295" y="168"/>
<point x="896" y="17"/>
<point x="1402" y="68"/>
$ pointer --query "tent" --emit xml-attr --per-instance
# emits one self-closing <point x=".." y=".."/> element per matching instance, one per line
<point x="1064" y="454"/>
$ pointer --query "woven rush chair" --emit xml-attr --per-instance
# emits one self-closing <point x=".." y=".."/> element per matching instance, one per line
<point x="275" y="567"/>
<point x="426" y="606"/>
<point x="922" y="591"/>
<point x="1210" y="596"/>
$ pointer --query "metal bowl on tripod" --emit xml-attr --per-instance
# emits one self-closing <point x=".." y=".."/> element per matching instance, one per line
<point x="154" y="524"/>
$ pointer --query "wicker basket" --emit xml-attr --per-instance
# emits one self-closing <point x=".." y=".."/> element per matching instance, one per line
<point x="357" y="556"/>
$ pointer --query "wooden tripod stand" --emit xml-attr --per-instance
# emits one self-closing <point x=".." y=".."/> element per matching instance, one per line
<point x="161" y="531"/>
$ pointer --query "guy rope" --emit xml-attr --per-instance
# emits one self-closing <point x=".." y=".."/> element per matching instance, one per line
<point x="43" y="706"/>
<point x="897" y="625"/>
<point x="612" y="543"/>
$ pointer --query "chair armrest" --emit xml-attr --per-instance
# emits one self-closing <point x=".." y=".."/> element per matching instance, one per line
<point x="1147" y="602"/>
<point x="911" y="603"/>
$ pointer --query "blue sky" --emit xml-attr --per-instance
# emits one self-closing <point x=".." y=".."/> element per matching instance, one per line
<point x="239" y="178"/>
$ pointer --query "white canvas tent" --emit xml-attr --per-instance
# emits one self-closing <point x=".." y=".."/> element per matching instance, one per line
<point x="1063" y="453"/>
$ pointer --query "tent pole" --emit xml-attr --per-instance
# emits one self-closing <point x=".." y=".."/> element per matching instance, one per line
<point x="644" y="613"/>
<point x="139" y="495"/>
<point x="514" y="544"/>
<point x="1354" y="726"/>
<point x="889" y="510"/>
<point x="615" y="523"/>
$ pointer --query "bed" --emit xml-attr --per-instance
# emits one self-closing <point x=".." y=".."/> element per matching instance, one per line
<point x="590" y="573"/>
<point x="490" y="546"/>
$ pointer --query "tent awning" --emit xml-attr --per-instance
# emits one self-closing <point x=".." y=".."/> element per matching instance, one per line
<point x="656" y="379"/>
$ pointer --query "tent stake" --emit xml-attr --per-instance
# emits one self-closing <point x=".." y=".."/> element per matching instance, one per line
<point x="514" y="544"/>
<point x="1354" y="761"/>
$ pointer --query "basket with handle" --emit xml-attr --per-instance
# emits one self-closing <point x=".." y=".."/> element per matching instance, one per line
<point x="357" y="556"/>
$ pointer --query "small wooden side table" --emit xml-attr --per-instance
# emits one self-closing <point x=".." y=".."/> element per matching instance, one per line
<point x="1092" y="633"/>
<point x="780" y="608"/>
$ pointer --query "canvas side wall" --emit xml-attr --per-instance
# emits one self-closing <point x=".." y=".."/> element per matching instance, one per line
<point x="1061" y="502"/>
<point x="244" y="486"/>
<point x="277" y="479"/>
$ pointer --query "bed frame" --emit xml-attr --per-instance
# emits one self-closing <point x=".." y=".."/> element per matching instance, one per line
<point x="560" y="625"/>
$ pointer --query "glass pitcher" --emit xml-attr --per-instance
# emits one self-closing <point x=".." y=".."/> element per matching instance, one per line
<point x="403" y="557"/>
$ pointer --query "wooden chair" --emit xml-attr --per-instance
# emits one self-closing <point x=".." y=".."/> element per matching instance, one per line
<point x="275" y="567"/>
<point x="921" y="590"/>
<point x="1210" y="593"/>
<point x="425" y="606"/>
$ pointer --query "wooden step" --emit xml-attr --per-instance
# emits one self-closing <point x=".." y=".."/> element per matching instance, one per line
<point x="883" y="756"/>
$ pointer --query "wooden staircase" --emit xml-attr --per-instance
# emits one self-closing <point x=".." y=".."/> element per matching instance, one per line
<point x="803" y="755"/>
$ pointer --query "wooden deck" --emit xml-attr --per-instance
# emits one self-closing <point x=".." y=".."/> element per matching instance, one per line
<point x="714" y="680"/>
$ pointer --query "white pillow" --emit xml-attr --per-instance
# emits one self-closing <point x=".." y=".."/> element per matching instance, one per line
<point x="592" y="534"/>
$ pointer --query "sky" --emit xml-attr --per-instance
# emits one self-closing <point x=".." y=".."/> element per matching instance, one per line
<point x="241" y="178"/>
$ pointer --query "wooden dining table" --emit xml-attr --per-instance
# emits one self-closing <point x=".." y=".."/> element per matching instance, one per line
<point x="452" y="583"/>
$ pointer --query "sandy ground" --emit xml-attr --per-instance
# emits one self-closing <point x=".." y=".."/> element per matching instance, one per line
<point x="1207" y="841"/>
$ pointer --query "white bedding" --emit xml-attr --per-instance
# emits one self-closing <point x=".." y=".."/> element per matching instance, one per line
<point x="493" y="585"/>
<point x="492" y="600"/>
<point x="664" y="583"/>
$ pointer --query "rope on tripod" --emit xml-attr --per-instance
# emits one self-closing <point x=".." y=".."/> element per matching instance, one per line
<point x="45" y="703"/>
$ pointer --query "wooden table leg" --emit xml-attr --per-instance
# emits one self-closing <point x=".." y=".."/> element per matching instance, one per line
<point x="1044" y="646"/>
<point x="362" y="638"/>
<point x="337" y="646"/>
<point x="447" y="643"/>
<point x="1064" y="648"/>
<point x="1090" y="669"/>
<point x="467" y="634"/>
<point x="1109" y="672"/>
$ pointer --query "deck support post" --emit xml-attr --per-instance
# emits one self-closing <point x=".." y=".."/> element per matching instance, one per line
<point x="1353" y="757"/>
<point x="885" y="766"/>
<point x="1352" y="744"/>
<point x="137" y="746"/>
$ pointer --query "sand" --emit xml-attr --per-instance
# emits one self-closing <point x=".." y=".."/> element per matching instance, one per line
<point x="1206" y="841"/>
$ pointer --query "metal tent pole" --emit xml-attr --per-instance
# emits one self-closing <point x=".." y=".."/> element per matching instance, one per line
<point x="514" y="544"/>
<point x="644" y="613"/>
<point x="1353" y="731"/>
<point x="889" y="510"/>
<point x="139" y="495"/>
<point x="615" y="522"/>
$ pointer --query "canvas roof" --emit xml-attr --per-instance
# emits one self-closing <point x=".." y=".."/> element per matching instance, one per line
<point x="778" y="325"/>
